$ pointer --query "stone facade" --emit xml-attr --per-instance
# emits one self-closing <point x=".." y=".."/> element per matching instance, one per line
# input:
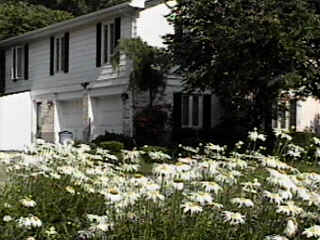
<point x="45" y="125"/>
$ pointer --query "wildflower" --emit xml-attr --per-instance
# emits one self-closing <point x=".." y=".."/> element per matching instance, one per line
<point x="70" y="189"/>
<point x="211" y="187"/>
<point x="112" y="194"/>
<point x="29" y="222"/>
<point x="27" y="202"/>
<point x="131" y="197"/>
<point x="233" y="218"/>
<point x="254" y="136"/>
<point x="291" y="228"/>
<point x="313" y="231"/>
<point x="242" y="202"/>
<point x="278" y="132"/>
<point x="316" y="141"/>
<point x="154" y="196"/>
<point x="202" y="197"/>
<point x="51" y="231"/>
<point x="191" y="207"/>
<point x="7" y="218"/>
<point x="273" y="197"/>
<point x="164" y="170"/>
<point x="275" y="237"/>
<point x="251" y="187"/>
<point x="290" y="209"/>
<point x="30" y="238"/>
<point x="317" y="153"/>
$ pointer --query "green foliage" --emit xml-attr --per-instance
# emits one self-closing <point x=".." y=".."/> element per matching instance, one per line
<point x="150" y="64"/>
<point x="20" y="17"/>
<point x="62" y="192"/>
<point x="108" y="136"/>
<point x="247" y="51"/>
<point x="150" y="125"/>
<point x="113" y="146"/>
<point x="75" y="7"/>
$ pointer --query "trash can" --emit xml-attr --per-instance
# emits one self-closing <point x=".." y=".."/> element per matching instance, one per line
<point x="65" y="136"/>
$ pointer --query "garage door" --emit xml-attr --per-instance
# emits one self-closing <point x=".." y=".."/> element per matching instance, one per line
<point x="107" y="114"/>
<point x="15" y="121"/>
<point x="70" y="117"/>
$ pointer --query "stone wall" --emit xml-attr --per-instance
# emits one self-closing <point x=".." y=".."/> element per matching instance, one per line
<point x="46" y="121"/>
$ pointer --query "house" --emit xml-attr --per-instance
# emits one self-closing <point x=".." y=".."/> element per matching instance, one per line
<point x="60" y="78"/>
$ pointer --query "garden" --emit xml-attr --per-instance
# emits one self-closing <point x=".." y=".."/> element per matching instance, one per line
<point x="80" y="192"/>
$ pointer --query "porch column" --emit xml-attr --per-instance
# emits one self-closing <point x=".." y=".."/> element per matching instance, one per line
<point x="86" y="116"/>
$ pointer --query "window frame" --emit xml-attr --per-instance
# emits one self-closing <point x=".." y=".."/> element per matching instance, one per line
<point x="59" y="54"/>
<point x="188" y="118"/>
<point x="15" y="59"/>
<point x="109" y="46"/>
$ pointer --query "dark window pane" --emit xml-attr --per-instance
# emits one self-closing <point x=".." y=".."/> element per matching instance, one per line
<point x="63" y="54"/>
<point x="19" y="62"/>
<point x="195" y="111"/>
<point x="185" y="110"/>
<point x="106" y="44"/>
<point x="112" y="38"/>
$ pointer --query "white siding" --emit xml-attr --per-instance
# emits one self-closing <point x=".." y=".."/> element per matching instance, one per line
<point x="82" y="63"/>
<point x="152" y="25"/>
<point x="308" y="115"/>
<point x="15" y="121"/>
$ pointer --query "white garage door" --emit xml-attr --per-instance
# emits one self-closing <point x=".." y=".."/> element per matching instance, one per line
<point x="15" y="121"/>
<point x="70" y="117"/>
<point x="107" y="114"/>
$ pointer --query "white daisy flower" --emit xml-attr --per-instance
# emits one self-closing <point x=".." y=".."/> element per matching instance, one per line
<point x="313" y="231"/>
<point x="191" y="207"/>
<point x="233" y="218"/>
<point x="155" y="196"/>
<point x="290" y="209"/>
<point x="7" y="218"/>
<point x="211" y="187"/>
<point x="242" y="202"/>
<point x="202" y="197"/>
<point x="27" y="202"/>
<point x="291" y="228"/>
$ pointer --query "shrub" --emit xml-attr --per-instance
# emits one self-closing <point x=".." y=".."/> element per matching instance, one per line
<point x="113" y="146"/>
<point x="150" y="126"/>
<point x="128" y="142"/>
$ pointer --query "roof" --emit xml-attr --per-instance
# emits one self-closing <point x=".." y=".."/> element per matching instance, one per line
<point x="70" y="24"/>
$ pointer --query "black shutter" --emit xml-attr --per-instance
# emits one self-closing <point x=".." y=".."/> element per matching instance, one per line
<point x="207" y="111"/>
<point x="26" y="61"/>
<point x="66" y="51"/>
<point x="117" y="30"/>
<point x="98" y="45"/>
<point x="52" y="56"/>
<point x="177" y="110"/>
<point x="2" y="71"/>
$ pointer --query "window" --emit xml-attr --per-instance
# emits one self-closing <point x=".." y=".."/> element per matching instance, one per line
<point x="17" y="62"/>
<point x="108" y="35"/>
<point x="191" y="111"/>
<point x="286" y="116"/>
<point x="109" y="42"/>
<point x="60" y="55"/>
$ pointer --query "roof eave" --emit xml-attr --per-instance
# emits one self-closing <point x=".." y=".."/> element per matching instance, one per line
<point x="69" y="24"/>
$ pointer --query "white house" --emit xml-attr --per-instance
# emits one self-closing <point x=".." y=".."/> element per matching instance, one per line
<point x="60" y="78"/>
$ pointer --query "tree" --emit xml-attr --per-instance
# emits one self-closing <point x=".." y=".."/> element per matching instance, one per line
<point x="248" y="52"/>
<point x="75" y="7"/>
<point x="18" y="18"/>
<point x="150" y="64"/>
